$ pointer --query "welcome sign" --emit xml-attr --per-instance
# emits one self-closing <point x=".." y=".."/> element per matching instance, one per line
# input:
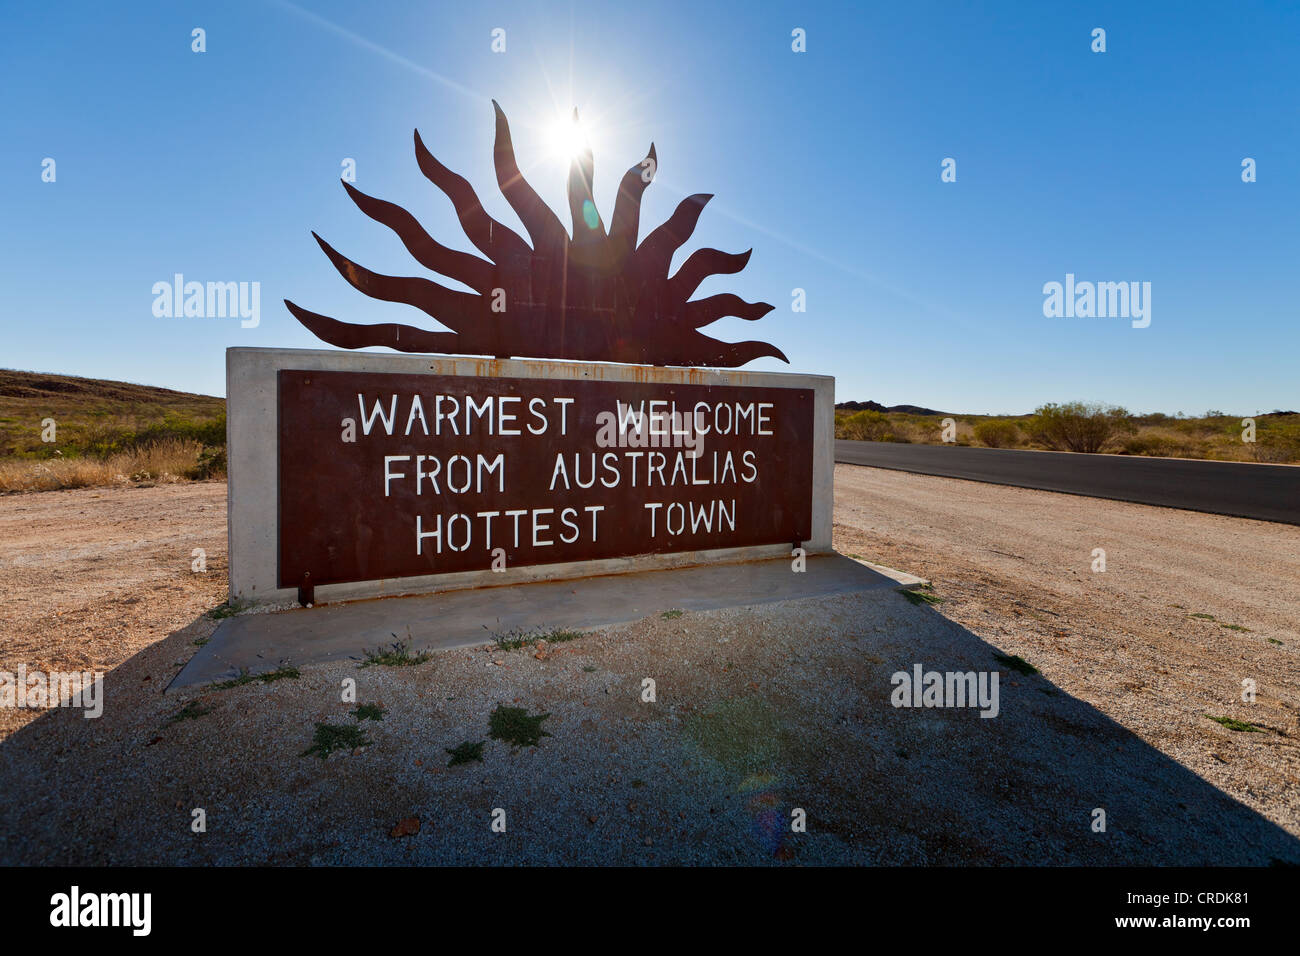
<point x="361" y="474"/>
<point x="368" y="474"/>
<point x="389" y="476"/>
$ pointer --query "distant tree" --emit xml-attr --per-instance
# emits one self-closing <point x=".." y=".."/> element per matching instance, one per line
<point x="1078" y="426"/>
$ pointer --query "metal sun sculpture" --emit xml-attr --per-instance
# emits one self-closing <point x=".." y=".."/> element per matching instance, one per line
<point x="597" y="296"/>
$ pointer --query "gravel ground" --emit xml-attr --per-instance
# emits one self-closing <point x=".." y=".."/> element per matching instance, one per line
<point x="759" y="711"/>
<point x="1189" y="606"/>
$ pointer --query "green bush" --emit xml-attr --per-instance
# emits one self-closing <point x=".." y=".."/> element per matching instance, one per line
<point x="998" y="433"/>
<point x="1078" y="426"/>
<point x="1155" y="445"/>
<point x="211" y="464"/>
<point x="867" y="425"/>
<point x="101" y="441"/>
<point x="1277" y="439"/>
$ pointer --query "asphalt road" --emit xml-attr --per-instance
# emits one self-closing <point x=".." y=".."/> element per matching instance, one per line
<point x="1266" y="492"/>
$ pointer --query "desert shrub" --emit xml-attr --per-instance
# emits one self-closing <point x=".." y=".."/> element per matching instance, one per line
<point x="1276" y="440"/>
<point x="172" y="459"/>
<point x="998" y="433"/>
<point x="211" y="464"/>
<point x="867" y="425"/>
<point x="110" y="438"/>
<point x="1078" y="426"/>
<point x="1196" y="427"/>
<point x="910" y="429"/>
<point x="168" y="460"/>
<point x="53" y="474"/>
<point x="1159" y="446"/>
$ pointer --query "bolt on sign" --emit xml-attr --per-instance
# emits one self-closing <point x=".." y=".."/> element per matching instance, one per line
<point x="446" y="473"/>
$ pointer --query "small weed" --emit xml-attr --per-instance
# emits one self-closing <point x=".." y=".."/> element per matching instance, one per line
<point x="511" y="640"/>
<point x="920" y="595"/>
<point x="675" y="612"/>
<point x="559" y="636"/>
<point x="199" y="642"/>
<point x="1274" y="640"/>
<point x="518" y="638"/>
<point x="368" y="712"/>
<point x="1241" y="726"/>
<point x="228" y="609"/>
<point x="516" y="726"/>
<point x="332" y="737"/>
<point x="591" y="670"/>
<point x="191" y="711"/>
<point x="1016" y="663"/>
<point x="1234" y="627"/>
<point x="1203" y="617"/>
<point x="397" y="654"/>
<point x="465" y="753"/>
<point x="280" y="673"/>
<point x="283" y="672"/>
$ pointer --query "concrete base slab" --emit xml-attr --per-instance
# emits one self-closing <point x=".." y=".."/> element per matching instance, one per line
<point x="255" y="643"/>
<point x="901" y="578"/>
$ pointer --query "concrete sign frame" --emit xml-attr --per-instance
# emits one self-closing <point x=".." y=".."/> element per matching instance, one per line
<point x="252" y="376"/>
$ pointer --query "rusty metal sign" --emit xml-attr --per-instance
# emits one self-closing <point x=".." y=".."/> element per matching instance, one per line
<point x="595" y="295"/>
<point x="385" y="475"/>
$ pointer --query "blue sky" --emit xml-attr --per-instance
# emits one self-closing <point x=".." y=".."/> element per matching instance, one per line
<point x="1115" y="166"/>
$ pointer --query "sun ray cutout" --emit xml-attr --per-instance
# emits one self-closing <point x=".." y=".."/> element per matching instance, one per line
<point x="588" y="293"/>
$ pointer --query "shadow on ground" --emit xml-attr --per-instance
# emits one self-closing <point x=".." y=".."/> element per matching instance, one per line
<point x="760" y="712"/>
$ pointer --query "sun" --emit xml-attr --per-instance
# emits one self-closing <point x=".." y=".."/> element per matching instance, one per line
<point x="569" y="137"/>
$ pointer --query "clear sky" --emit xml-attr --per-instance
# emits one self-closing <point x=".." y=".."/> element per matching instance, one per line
<point x="1115" y="166"/>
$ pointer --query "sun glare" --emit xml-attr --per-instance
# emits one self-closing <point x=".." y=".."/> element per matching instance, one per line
<point x="569" y="138"/>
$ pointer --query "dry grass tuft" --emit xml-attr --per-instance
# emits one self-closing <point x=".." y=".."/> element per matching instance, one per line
<point x="165" y="461"/>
